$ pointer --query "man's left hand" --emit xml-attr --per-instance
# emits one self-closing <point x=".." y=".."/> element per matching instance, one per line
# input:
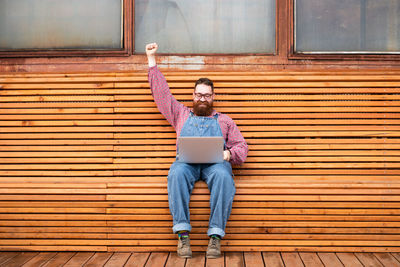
<point x="227" y="155"/>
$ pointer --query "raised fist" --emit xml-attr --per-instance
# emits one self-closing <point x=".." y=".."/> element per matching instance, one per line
<point x="151" y="49"/>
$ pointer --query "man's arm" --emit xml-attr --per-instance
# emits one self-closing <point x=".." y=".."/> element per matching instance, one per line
<point x="236" y="144"/>
<point x="151" y="50"/>
<point x="166" y="102"/>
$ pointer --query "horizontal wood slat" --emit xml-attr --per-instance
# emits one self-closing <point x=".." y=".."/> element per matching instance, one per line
<point x="84" y="159"/>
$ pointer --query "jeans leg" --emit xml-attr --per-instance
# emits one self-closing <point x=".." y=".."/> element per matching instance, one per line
<point x="219" y="179"/>
<point x="181" y="179"/>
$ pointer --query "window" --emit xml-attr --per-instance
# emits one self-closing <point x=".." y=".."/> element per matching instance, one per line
<point x="73" y="25"/>
<point x="206" y="26"/>
<point x="347" y="26"/>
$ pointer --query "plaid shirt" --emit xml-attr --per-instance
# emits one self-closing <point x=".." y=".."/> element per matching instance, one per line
<point x="176" y="113"/>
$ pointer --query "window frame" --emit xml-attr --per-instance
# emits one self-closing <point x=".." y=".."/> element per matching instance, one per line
<point x="127" y="43"/>
<point x="339" y="55"/>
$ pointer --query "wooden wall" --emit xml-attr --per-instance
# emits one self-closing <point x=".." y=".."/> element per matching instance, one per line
<point x="84" y="160"/>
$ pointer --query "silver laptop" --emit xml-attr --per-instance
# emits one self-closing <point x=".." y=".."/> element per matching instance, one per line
<point x="208" y="149"/>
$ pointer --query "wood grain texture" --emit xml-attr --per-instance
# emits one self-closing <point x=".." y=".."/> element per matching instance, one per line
<point x="84" y="159"/>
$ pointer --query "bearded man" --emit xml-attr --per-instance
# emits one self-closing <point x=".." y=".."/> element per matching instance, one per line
<point x="202" y="120"/>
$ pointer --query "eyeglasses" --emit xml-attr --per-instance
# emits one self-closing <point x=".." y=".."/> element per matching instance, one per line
<point x="206" y="96"/>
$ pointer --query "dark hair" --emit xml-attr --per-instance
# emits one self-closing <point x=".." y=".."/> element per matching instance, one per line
<point x="205" y="81"/>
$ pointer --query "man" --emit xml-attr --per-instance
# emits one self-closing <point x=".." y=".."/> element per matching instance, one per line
<point x="202" y="120"/>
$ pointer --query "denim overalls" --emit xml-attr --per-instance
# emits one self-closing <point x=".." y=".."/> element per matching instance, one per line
<point x="218" y="176"/>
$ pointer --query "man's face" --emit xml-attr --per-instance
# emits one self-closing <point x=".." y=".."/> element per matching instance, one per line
<point x="203" y="100"/>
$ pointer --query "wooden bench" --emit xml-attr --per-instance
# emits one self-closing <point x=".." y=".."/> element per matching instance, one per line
<point x="85" y="156"/>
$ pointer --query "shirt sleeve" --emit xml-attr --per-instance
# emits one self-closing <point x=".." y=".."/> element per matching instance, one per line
<point x="165" y="101"/>
<point x="236" y="144"/>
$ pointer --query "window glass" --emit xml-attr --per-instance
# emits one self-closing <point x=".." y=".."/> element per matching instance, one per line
<point x="347" y="26"/>
<point x="206" y="26"/>
<point x="58" y="24"/>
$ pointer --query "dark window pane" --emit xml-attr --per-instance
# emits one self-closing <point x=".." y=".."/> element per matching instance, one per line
<point x="347" y="26"/>
<point x="206" y="26"/>
<point x="57" y="24"/>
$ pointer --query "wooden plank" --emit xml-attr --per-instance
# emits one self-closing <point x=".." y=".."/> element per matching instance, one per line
<point x="330" y="259"/>
<point x="58" y="123"/>
<point x="157" y="259"/>
<point x="311" y="224"/>
<point x="231" y="85"/>
<point x="263" y="248"/>
<point x="237" y="211"/>
<point x="62" y="173"/>
<point x="175" y="261"/>
<point x="119" y="233"/>
<point x="57" y="111"/>
<point x="386" y="259"/>
<point x="326" y="143"/>
<point x="53" y="136"/>
<point x="55" y="98"/>
<point x="15" y="169"/>
<point x="368" y="259"/>
<point x="79" y="259"/>
<point x="253" y="259"/>
<point x="164" y="235"/>
<point x="234" y="259"/>
<point x="368" y="198"/>
<point x="137" y="259"/>
<point x="349" y="259"/>
<point x="243" y="192"/>
<point x="40" y="259"/>
<point x="191" y="76"/>
<point x="54" y="236"/>
<point x="129" y="95"/>
<point x="59" y="260"/>
<point x="198" y="259"/>
<point x="246" y="110"/>
<point x="255" y="243"/>
<point x="311" y="259"/>
<point x="20" y="259"/>
<point x="6" y="256"/>
<point x="261" y="218"/>
<point x="98" y="259"/>
<point x="58" y="86"/>
<point x="57" y="160"/>
<point x="30" y="102"/>
<point x="396" y="255"/>
<point x="168" y="158"/>
<point x="240" y="119"/>
<point x="218" y="262"/>
<point x="118" y="259"/>
<point x="166" y="151"/>
<point x="291" y="259"/>
<point x="272" y="259"/>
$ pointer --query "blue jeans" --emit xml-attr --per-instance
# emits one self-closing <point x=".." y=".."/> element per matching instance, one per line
<point x="219" y="179"/>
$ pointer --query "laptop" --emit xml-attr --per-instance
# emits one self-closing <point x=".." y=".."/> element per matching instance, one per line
<point x="195" y="149"/>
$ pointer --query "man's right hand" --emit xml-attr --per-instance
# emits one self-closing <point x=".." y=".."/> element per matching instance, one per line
<point x="151" y="50"/>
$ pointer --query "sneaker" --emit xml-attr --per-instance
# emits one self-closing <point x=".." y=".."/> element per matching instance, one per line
<point x="184" y="250"/>
<point x="214" y="248"/>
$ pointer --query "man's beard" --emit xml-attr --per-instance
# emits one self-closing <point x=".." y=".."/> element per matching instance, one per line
<point x="202" y="110"/>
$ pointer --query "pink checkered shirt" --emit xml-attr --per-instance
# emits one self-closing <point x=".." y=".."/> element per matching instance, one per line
<point x="176" y="113"/>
